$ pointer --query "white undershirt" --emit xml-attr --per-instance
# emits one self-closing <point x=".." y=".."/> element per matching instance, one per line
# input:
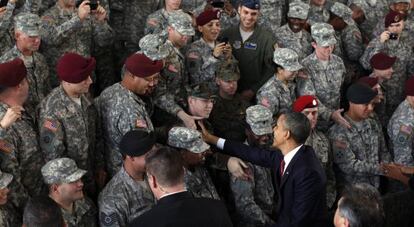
<point x="245" y="35"/>
<point x="77" y="101"/>
<point x="289" y="156"/>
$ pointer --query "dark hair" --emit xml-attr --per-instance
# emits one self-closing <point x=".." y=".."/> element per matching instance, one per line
<point x="42" y="211"/>
<point x="361" y="205"/>
<point x="166" y="166"/>
<point x="298" y="125"/>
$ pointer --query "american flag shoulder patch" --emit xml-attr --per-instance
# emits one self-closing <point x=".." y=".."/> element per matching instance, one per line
<point x="5" y="146"/>
<point x="51" y="125"/>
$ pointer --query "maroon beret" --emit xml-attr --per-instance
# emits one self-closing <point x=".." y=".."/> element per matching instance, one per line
<point x="382" y="61"/>
<point x="12" y="72"/>
<point x="304" y="102"/>
<point x="74" y="68"/>
<point x="141" y="66"/>
<point x="208" y="16"/>
<point x="409" y="87"/>
<point x="370" y="81"/>
<point x="393" y="17"/>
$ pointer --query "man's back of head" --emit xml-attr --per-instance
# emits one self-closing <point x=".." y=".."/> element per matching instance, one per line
<point x="42" y="211"/>
<point x="165" y="171"/>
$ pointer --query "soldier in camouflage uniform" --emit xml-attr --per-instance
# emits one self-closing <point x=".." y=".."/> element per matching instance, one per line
<point x="6" y="14"/>
<point x="319" y="11"/>
<point x="400" y="128"/>
<point x="193" y="151"/>
<point x="68" y="120"/>
<point x="229" y="110"/>
<point x="65" y="187"/>
<point x="126" y="105"/>
<point x="382" y="70"/>
<point x="367" y="13"/>
<point x="27" y="37"/>
<point x="254" y="198"/>
<point x="128" y="195"/>
<point x="205" y="54"/>
<point x="308" y="105"/>
<point x="69" y="29"/>
<point x="273" y="14"/>
<point x="229" y="16"/>
<point x="279" y="92"/>
<point x="326" y="73"/>
<point x="6" y="18"/>
<point x="20" y="152"/>
<point x="123" y="18"/>
<point x="349" y="45"/>
<point x="359" y="152"/>
<point x="293" y="35"/>
<point x="157" y="22"/>
<point x="400" y="48"/>
<point x="7" y="214"/>
<point x="169" y="95"/>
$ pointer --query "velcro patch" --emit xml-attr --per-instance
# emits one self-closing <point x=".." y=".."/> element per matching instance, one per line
<point x="406" y="129"/>
<point x="340" y="144"/>
<point x="108" y="220"/>
<point x="5" y="146"/>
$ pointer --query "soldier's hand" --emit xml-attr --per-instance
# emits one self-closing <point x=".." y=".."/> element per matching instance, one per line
<point x="84" y="10"/>
<point x="188" y="120"/>
<point x="100" y="13"/>
<point x="218" y="49"/>
<point x="239" y="169"/>
<point x="207" y="137"/>
<point x="11" y="116"/>
<point x="407" y="170"/>
<point x="337" y="117"/>
<point x="384" y="36"/>
<point x="2" y="11"/>
<point x="227" y="51"/>
<point x="393" y="171"/>
<point x="229" y="9"/>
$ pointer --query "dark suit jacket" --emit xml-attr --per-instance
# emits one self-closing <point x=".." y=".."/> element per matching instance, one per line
<point x="181" y="209"/>
<point x="302" y="189"/>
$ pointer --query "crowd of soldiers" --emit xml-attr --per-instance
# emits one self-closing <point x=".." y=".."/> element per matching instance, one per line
<point x="87" y="89"/>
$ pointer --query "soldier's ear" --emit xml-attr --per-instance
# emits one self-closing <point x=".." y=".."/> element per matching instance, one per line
<point x="200" y="29"/>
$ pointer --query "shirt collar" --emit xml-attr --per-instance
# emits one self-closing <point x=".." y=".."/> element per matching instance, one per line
<point x="289" y="156"/>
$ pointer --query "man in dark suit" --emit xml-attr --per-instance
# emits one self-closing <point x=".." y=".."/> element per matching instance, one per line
<point x="299" y="177"/>
<point x="176" y="206"/>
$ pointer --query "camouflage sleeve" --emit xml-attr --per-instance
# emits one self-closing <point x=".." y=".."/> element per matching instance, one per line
<point x="305" y="87"/>
<point x="267" y="98"/>
<point x="51" y="135"/>
<point x="164" y="99"/>
<point x="246" y="206"/>
<point x="55" y="34"/>
<point x="43" y="69"/>
<point x="152" y="25"/>
<point x="401" y="137"/>
<point x="103" y="35"/>
<point x="384" y="154"/>
<point x="330" y="180"/>
<point x="345" y="158"/>
<point x="111" y="213"/>
<point x="6" y="19"/>
<point x="373" y="47"/>
<point x="353" y="45"/>
<point x="10" y="164"/>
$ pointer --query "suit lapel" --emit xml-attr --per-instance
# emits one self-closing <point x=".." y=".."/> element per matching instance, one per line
<point x="290" y="166"/>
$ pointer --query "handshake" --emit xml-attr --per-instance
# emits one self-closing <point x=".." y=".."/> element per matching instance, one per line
<point x="398" y="172"/>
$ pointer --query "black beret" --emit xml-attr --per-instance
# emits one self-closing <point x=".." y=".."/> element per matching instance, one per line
<point x="360" y="93"/>
<point x="136" y="143"/>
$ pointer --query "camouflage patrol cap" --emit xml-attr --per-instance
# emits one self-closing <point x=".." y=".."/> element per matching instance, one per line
<point x="5" y="179"/>
<point x="28" y="23"/>
<point x="181" y="22"/>
<point x="343" y="12"/>
<point x="201" y="90"/>
<point x="154" y="47"/>
<point x="323" y="34"/>
<point x="61" y="170"/>
<point x="298" y="9"/>
<point x="228" y="70"/>
<point x="287" y="58"/>
<point x="188" y="139"/>
<point x="259" y="119"/>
